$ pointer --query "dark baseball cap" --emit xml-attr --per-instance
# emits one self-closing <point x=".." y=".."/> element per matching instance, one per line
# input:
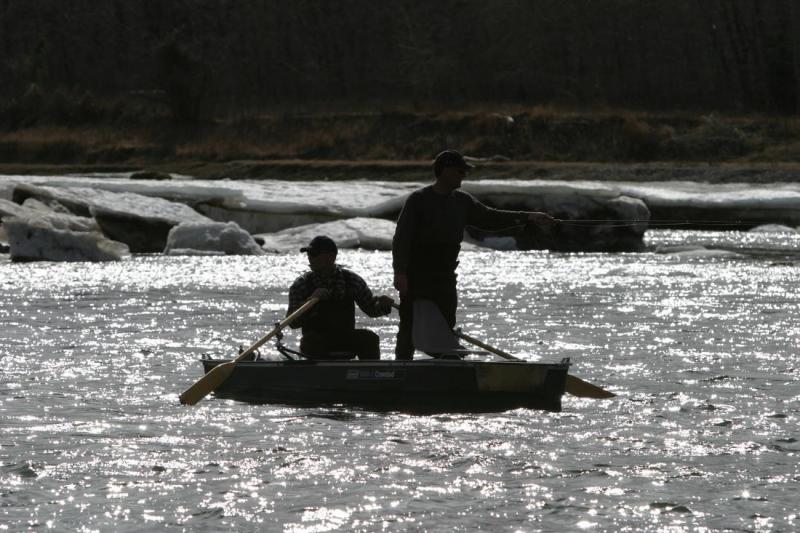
<point x="450" y="158"/>
<point x="320" y="245"/>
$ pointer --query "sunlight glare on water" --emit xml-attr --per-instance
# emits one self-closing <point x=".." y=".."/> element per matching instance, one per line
<point x="703" y="434"/>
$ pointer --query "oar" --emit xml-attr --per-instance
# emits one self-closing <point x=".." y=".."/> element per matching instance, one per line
<point x="217" y="375"/>
<point x="574" y="385"/>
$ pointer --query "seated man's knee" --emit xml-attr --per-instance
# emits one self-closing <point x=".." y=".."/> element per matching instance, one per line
<point x="313" y="345"/>
<point x="368" y="344"/>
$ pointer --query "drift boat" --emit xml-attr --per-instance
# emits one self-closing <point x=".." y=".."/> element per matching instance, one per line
<point x="423" y="385"/>
<point x="444" y="383"/>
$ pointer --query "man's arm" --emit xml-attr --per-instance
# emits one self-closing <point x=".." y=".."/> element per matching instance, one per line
<point x="371" y="305"/>
<point x="297" y="297"/>
<point x="402" y="241"/>
<point x="487" y="218"/>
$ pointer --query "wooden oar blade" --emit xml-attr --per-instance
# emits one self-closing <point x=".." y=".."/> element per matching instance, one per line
<point x="584" y="389"/>
<point x="213" y="379"/>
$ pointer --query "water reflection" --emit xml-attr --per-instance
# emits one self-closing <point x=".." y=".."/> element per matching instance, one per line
<point x="702" y="353"/>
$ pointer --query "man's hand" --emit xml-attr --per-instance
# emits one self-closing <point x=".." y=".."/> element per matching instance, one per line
<point x="401" y="283"/>
<point x="384" y="304"/>
<point x="543" y="219"/>
<point x="321" y="293"/>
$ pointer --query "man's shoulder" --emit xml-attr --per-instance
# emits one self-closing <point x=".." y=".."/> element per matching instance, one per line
<point x="349" y="274"/>
<point x="301" y="279"/>
<point x="421" y="192"/>
<point x="463" y="196"/>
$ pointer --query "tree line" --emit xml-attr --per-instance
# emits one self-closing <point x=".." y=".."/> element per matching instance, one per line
<point x="206" y="57"/>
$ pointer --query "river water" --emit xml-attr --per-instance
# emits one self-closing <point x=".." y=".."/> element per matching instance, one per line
<point x="702" y="352"/>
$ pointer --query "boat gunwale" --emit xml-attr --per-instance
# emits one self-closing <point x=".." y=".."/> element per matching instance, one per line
<point x="388" y="362"/>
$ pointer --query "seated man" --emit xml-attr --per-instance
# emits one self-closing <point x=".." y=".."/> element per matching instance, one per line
<point x="329" y="326"/>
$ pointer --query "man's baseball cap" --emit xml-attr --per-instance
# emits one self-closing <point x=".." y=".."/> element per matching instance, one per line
<point x="320" y="245"/>
<point x="449" y="158"/>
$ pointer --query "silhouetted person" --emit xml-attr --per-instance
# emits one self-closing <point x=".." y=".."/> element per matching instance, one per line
<point x="428" y="237"/>
<point x="329" y="330"/>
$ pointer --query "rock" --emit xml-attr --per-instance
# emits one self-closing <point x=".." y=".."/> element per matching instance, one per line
<point x="678" y="248"/>
<point x="495" y="243"/>
<point x="216" y="237"/>
<point x="696" y="251"/>
<point x="191" y="251"/>
<point x="59" y="237"/>
<point x="141" y="222"/>
<point x="721" y="206"/>
<point x="151" y="175"/>
<point x="74" y="203"/>
<point x="142" y="235"/>
<point x="359" y="232"/>
<point x="595" y="219"/>
<point x="51" y="207"/>
<point x="11" y="209"/>
<point x="772" y="228"/>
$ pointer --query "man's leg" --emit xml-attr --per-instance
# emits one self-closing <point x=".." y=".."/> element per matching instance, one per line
<point x="366" y="345"/>
<point x="404" y="349"/>
<point x="314" y="345"/>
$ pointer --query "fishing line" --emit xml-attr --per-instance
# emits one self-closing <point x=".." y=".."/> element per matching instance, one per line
<point x="623" y="223"/>
<point x="620" y="223"/>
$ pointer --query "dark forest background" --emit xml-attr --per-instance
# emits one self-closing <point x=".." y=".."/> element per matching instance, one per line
<point x="128" y="61"/>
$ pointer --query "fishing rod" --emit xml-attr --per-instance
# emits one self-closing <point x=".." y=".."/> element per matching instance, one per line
<point x="623" y="223"/>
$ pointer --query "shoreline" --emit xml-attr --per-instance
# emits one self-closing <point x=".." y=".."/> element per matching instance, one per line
<point x="387" y="170"/>
<point x="504" y="142"/>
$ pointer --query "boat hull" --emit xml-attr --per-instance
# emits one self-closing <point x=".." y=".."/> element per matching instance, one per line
<point x="422" y="386"/>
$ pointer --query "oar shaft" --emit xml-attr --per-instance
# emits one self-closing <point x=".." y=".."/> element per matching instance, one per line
<point x="478" y="343"/>
<point x="282" y="324"/>
<point x="220" y="373"/>
<point x="575" y="386"/>
<point x="485" y="346"/>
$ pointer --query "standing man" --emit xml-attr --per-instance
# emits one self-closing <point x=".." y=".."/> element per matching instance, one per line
<point x="329" y="326"/>
<point x="428" y="237"/>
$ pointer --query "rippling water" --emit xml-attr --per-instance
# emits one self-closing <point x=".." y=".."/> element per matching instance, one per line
<point x="703" y="434"/>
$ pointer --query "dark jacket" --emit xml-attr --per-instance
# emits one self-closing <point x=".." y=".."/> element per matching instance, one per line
<point x="336" y="315"/>
<point x="428" y="236"/>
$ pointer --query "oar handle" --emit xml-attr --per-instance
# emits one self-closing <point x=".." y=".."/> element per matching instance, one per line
<point x="282" y="324"/>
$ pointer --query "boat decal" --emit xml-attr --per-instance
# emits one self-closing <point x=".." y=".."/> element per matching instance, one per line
<point x="370" y="374"/>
